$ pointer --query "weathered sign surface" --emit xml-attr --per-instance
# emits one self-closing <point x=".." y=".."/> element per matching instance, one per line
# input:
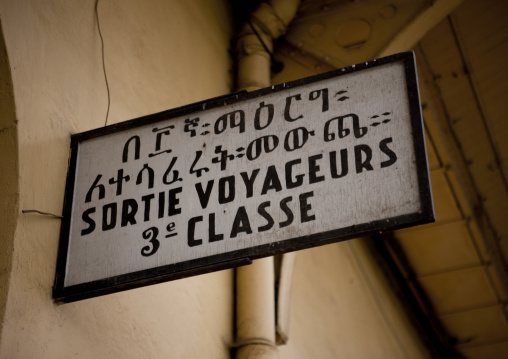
<point x="218" y="183"/>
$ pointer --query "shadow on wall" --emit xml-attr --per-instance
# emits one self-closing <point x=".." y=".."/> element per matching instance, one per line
<point x="9" y="175"/>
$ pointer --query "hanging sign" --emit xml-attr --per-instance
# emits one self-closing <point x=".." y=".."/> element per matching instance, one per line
<point x="219" y="183"/>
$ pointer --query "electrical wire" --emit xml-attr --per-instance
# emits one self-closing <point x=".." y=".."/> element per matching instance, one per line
<point x="103" y="62"/>
<point x="24" y="211"/>
<point x="276" y="66"/>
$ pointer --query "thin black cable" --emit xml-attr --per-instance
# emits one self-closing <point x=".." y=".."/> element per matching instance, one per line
<point x="260" y="39"/>
<point x="24" y="211"/>
<point x="103" y="62"/>
<point x="276" y="66"/>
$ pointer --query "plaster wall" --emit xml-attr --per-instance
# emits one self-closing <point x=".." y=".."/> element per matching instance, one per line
<point x="9" y="191"/>
<point x="158" y="55"/>
<point x="342" y="307"/>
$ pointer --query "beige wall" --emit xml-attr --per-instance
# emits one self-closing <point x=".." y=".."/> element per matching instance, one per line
<point x="342" y="307"/>
<point x="159" y="55"/>
<point x="9" y="190"/>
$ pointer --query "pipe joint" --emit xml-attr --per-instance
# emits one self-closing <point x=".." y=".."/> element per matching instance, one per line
<point x="268" y="21"/>
<point x="256" y="348"/>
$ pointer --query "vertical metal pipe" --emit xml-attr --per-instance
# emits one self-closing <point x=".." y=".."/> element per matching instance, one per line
<point x="255" y="297"/>
<point x="256" y="310"/>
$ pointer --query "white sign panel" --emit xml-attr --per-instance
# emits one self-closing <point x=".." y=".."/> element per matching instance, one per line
<point x="219" y="183"/>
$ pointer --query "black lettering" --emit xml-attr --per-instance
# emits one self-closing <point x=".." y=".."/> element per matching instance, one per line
<point x="342" y="131"/>
<point x="129" y="210"/>
<point x="329" y="136"/>
<point x="392" y="157"/>
<point x="173" y="201"/>
<point x="191" y="123"/>
<point x="170" y="228"/>
<point x="166" y="131"/>
<point x="271" y="180"/>
<point x="262" y="211"/>
<point x="150" y="172"/>
<point x="147" y="199"/>
<point x="249" y="182"/>
<point x="151" y="234"/>
<point x="241" y="223"/>
<point x="306" y="207"/>
<point x="324" y="95"/>
<point x="204" y="196"/>
<point x="296" y="138"/>
<point x="176" y="177"/>
<point x="162" y="201"/>
<point x="102" y="191"/>
<point x="198" y="171"/>
<point x="289" y="214"/>
<point x="230" y="181"/>
<point x="287" y="115"/>
<point x="137" y="144"/>
<point x="111" y="223"/>
<point x="254" y="148"/>
<point x="257" y="117"/>
<point x="119" y="181"/>
<point x="298" y="181"/>
<point x="212" y="236"/>
<point x="222" y="122"/>
<point x="223" y="157"/>
<point x="343" y="163"/>
<point x="191" y="230"/>
<point x="314" y="169"/>
<point x="91" y="223"/>
<point x="361" y="163"/>
<point x="357" y="129"/>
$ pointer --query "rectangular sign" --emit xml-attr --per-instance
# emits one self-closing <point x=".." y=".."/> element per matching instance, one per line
<point x="216" y="184"/>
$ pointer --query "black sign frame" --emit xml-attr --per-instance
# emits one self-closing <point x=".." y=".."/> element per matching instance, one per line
<point x="244" y="256"/>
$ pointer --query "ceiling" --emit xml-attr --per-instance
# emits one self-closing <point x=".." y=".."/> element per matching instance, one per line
<point x="454" y="269"/>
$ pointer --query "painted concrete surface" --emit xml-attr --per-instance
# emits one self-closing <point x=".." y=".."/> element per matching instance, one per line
<point x="157" y="57"/>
